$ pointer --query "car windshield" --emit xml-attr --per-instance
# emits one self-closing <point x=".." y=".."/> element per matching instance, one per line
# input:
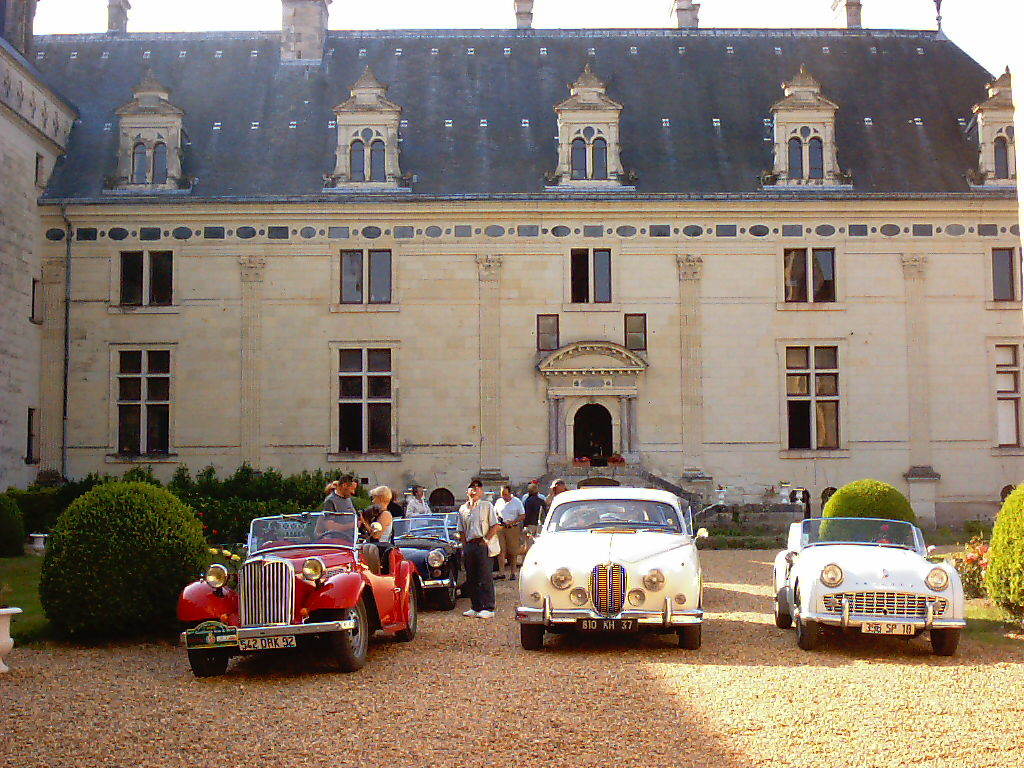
<point x="598" y="514"/>
<point x="441" y="527"/>
<point x="856" y="530"/>
<point x="338" y="528"/>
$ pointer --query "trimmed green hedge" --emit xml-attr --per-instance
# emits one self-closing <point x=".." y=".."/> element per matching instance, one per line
<point x="12" y="530"/>
<point x="870" y="498"/>
<point x="40" y="507"/>
<point x="1004" y="577"/>
<point x="118" y="560"/>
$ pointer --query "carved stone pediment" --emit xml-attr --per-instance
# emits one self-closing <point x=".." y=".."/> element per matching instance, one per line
<point x="591" y="358"/>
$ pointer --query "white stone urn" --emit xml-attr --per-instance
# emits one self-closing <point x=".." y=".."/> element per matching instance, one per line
<point x="6" y="641"/>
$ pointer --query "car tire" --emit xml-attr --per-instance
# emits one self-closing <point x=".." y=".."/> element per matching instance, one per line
<point x="409" y="633"/>
<point x="349" y="647"/>
<point x="944" y="641"/>
<point x="783" y="618"/>
<point x="531" y="636"/>
<point x="689" y="637"/>
<point x="809" y="634"/>
<point x="208" y="663"/>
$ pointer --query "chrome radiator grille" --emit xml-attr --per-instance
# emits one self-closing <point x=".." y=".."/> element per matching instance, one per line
<point x="608" y="587"/>
<point x="267" y="591"/>
<point x="885" y="603"/>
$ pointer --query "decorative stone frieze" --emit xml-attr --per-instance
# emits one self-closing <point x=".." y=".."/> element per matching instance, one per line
<point x="36" y="104"/>
<point x="997" y="163"/>
<point x="805" y="142"/>
<point x="592" y="358"/>
<point x="152" y="139"/>
<point x="588" y="137"/>
<point x="367" y="153"/>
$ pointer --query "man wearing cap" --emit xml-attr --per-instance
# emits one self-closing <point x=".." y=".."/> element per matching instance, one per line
<point x="340" y="497"/>
<point x="415" y="503"/>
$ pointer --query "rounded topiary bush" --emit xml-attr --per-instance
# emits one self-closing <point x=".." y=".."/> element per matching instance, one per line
<point x="12" y="530"/>
<point x="870" y="498"/>
<point x="118" y="559"/>
<point x="1004" y="577"/>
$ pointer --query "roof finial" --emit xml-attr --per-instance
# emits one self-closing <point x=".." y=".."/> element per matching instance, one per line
<point x="938" y="15"/>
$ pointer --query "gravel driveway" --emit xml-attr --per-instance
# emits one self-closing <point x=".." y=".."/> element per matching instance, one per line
<point x="465" y="694"/>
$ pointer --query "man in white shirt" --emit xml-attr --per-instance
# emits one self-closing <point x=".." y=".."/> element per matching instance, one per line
<point x="415" y="503"/>
<point x="511" y="515"/>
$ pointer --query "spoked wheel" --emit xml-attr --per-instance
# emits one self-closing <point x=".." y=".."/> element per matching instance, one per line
<point x="207" y="663"/>
<point x="689" y="637"/>
<point x="783" y="618"/>
<point x="407" y="634"/>
<point x="944" y="641"/>
<point x="531" y="636"/>
<point x="350" y="645"/>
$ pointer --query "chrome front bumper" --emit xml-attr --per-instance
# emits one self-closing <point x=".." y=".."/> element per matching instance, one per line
<point x="284" y="629"/>
<point x="849" y="619"/>
<point x="665" y="617"/>
<point x="437" y="583"/>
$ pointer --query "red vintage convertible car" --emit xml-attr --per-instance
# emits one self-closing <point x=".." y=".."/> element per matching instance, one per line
<point x="307" y="581"/>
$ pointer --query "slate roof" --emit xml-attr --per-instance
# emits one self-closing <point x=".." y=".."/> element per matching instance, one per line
<point x="687" y="77"/>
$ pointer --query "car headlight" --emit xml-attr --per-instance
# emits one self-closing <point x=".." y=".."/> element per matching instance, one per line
<point x="313" y="569"/>
<point x="654" y="580"/>
<point x="937" y="579"/>
<point x="561" y="579"/>
<point x="636" y="597"/>
<point x="579" y="596"/>
<point x="831" y="575"/>
<point x="436" y="558"/>
<point x="216" y="576"/>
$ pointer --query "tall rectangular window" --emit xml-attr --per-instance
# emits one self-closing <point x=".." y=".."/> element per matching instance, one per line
<point x="36" y="315"/>
<point x="1008" y="373"/>
<point x="812" y="397"/>
<point x="365" y="401"/>
<point x="810" y="276"/>
<point x="636" y="332"/>
<point x="366" y="277"/>
<point x="1004" y="275"/>
<point x="547" y="333"/>
<point x="32" y="438"/>
<point x="590" y="275"/>
<point x="147" y="279"/>
<point x="143" y="401"/>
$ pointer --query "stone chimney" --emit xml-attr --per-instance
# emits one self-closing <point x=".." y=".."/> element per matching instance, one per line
<point x="524" y="14"/>
<point x="848" y="13"/>
<point x="117" y="16"/>
<point x="303" y="29"/>
<point x="685" y="14"/>
<point x="16" y="24"/>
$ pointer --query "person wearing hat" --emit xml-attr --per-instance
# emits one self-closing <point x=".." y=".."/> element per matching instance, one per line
<point x="415" y="503"/>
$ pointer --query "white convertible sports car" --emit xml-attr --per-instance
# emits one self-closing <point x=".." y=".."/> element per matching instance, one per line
<point x="867" y="575"/>
<point x="612" y="560"/>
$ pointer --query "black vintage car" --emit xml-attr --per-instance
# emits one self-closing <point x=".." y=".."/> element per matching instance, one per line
<point x="429" y="543"/>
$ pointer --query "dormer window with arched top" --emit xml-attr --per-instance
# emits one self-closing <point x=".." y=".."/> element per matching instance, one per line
<point x="588" y="137"/>
<point x="367" y="156"/>
<point x="805" y="146"/>
<point x="151" y="140"/>
<point x="997" y="163"/>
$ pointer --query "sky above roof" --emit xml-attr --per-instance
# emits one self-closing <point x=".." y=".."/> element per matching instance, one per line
<point x="984" y="28"/>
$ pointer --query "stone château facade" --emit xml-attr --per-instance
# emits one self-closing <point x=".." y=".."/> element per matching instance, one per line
<point x="730" y="257"/>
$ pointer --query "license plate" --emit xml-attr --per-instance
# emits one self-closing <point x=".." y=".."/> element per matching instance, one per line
<point x="606" y="625"/>
<point x="266" y="643"/>
<point x="887" y="628"/>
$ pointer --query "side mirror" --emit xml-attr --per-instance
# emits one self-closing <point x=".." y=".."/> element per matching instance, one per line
<point x="702" y="533"/>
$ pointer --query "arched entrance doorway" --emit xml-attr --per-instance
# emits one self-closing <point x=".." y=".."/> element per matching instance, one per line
<point x="592" y="432"/>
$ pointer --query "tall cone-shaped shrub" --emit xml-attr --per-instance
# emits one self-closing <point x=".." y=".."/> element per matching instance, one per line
<point x="1004" y="578"/>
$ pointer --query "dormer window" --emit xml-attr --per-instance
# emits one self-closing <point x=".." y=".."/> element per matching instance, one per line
<point x="151" y="142"/>
<point x="588" y="136"/>
<point x="368" y="125"/>
<point x="804" y="128"/>
<point x="997" y="165"/>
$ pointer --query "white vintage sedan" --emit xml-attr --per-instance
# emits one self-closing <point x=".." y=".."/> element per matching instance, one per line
<point x="866" y="575"/>
<point x="612" y="560"/>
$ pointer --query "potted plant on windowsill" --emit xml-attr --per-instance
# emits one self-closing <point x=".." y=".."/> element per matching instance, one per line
<point x="6" y="641"/>
<point x="581" y="461"/>
<point x="616" y="459"/>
